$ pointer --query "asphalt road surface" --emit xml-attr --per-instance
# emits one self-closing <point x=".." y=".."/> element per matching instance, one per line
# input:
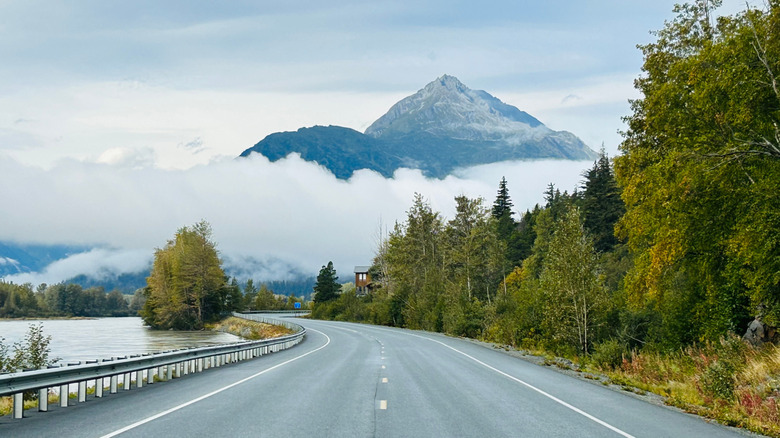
<point x="351" y="380"/>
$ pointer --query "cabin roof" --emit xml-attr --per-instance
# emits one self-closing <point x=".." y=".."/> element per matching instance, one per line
<point x="362" y="269"/>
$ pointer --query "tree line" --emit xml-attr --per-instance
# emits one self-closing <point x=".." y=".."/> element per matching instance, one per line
<point x="186" y="288"/>
<point x="674" y="242"/>
<point x="483" y="274"/>
<point x="63" y="300"/>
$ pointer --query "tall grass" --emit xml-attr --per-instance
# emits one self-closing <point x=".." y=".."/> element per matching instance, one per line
<point x="729" y="381"/>
<point x="249" y="329"/>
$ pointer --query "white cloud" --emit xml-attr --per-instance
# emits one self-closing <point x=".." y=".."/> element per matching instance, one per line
<point x="98" y="263"/>
<point x="128" y="157"/>
<point x="183" y="127"/>
<point x="291" y="214"/>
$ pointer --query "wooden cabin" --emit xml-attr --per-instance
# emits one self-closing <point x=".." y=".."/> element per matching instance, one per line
<point x="362" y="280"/>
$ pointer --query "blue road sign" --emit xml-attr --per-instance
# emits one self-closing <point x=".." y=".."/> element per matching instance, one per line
<point x="297" y="305"/>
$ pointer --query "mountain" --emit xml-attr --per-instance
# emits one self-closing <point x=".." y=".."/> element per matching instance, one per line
<point x="19" y="258"/>
<point x="442" y="127"/>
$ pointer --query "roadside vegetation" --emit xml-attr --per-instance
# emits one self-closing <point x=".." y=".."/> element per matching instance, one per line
<point x="252" y="330"/>
<point x="654" y="267"/>
<point x="30" y="354"/>
<point x="728" y="380"/>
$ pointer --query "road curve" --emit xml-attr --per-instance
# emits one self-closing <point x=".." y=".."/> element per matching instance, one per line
<point x="352" y="380"/>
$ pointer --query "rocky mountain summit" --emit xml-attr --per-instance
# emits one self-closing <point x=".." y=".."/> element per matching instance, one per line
<point x="443" y="126"/>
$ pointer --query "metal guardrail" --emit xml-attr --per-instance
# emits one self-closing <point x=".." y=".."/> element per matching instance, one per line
<point x="282" y="313"/>
<point x="161" y="366"/>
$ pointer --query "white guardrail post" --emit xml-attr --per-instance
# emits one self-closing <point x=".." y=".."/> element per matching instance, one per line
<point x="164" y="366"/>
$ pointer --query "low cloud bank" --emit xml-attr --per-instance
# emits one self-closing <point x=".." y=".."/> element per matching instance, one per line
<point x="271" y="221"/>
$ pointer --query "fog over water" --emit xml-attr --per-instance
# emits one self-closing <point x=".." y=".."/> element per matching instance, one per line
<point x="274" y="220"/>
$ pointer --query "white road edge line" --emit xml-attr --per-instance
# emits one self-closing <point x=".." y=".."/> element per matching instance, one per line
<point x="528" y="385"/>
<point x="203" y="397"/>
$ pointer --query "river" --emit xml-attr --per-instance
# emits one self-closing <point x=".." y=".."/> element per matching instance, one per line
<point x="75" y="340"/>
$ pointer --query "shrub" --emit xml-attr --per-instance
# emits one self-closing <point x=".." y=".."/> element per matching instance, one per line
<point x="608" y="354"/>
<point x="718" y="380"/>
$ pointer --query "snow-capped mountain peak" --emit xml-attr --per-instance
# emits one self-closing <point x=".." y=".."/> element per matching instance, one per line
<point x="448" y="108"/>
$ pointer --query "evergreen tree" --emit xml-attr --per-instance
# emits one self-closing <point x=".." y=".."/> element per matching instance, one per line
<point x="327" y="287"/>
<point x="250" y="293"/>
<point x="503" y="204"/>
<point x="523" y="238"/>
<point x="502" y="212"/>
<point x="601" y="204"/>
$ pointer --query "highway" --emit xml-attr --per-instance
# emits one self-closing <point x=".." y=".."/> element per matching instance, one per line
<point x="351" y="380"/>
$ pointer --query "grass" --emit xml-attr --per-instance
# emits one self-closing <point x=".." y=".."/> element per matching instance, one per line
<point x="729" y="381"/>
<point x="247" y="329"/>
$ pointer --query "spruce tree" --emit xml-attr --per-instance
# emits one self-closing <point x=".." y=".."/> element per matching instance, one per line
<point x="506" y="227"/>
<point x="503" y="204"/>
<point x="327" y="286"/>
<point x="601" y="204"/>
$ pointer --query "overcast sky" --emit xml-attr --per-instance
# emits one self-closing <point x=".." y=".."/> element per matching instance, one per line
<point x="119" y="120"/>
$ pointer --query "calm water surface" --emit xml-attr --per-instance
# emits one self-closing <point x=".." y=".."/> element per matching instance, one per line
<point x="102" y="338"/>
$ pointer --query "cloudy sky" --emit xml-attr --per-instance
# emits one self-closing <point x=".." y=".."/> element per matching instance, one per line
<point x="119" y="121"/>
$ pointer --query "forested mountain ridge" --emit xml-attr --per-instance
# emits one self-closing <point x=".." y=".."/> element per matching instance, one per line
<point x="442" y="127"/>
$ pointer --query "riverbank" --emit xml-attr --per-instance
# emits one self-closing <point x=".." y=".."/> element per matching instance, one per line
<point x="247" y="329"/>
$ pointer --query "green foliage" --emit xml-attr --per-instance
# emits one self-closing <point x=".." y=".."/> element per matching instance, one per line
<point x="327" y="287"/>
<point x="575" y="295"/>
<point x="33" y="353"/>
<point x="608" y="354"/>
<point x="700" y="171"/>
<point x="522" y="240"/>
<point x="415" y="259"/>
<point x="187" y="286"/>
<point x="62" y="299"/>
<point x="601" y="204"/>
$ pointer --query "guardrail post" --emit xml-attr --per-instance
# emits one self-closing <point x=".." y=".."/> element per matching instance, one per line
<point x="126" y="383"/>
<point x="82" y="391"/>
<point x="99" y="382"/>
<point x="43" y="399"/>
<point x="139" y="379"/>
<point x="64" y="396"/>
<point x="160" y="374"/>
<point x="200" y="365"/>
<point x="19" y="405"/>
<point x="114" y="383"/>
<point x="169" y="371"/>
